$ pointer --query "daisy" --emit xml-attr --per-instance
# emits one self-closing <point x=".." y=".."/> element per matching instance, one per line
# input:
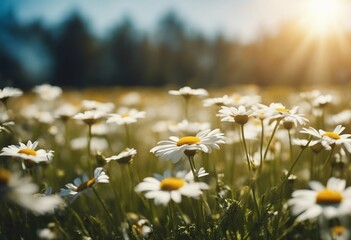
<point x="9" y="92"/>
<point x="22" y="191"/>
<point x="48" y="92"/>
<point x="187" y="92"/>
<point x="171" y="188"/>
<point x="246" y="101"/>
<point x="219" y="101"/>
<point x="232" y="114"/>
<point x="177" y="148"/>
<point x="90" y="117"/>
<point x="188" y="127"/>
<point x="95" y="105"/>
<point x="65" y="112"/>
<point x="330" y="139"/>
<point x="28" y="152"/>
<point x="327" y="202"/>
<point x="125" y="116"/>
<point x="126" y="156"/>
<point x="81" y="185"/>
<point x="280" y="113"/>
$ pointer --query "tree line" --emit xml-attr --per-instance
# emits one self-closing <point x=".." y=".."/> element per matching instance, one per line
<point x="70" y="55"/>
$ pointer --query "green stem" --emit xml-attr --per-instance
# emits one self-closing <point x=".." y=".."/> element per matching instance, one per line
<point x="193" y="168"/>
<point x="89" y="149"/>
<point x="127" y="134"/>
<point x="75" y="214"/>
<point x="261" y="146"/>
<point x="290" y="145"/>
<point x="245" y="147"/>
<point x="105" y="209"/>
<point x="271" y="138"/>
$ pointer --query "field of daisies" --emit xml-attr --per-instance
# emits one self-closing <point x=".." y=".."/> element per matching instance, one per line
<point x="182" y="163"/>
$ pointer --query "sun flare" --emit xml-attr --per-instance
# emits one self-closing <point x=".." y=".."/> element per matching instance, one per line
<point x="324" y="15"/>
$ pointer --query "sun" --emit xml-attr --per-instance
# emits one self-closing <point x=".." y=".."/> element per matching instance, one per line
<point x="322" y="16"/>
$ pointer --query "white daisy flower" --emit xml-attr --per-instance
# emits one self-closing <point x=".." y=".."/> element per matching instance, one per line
<point x="187" y="127"/>
<point x="187" y="92"/>
<point x="95" y="105"/>
<point x="125" y="116"/>
<point x="65" y="111"/>
<point x="247" y="101"/>
<point x="322" y="101"/>
<point x="329" y="139"/>
<point x="28" y="152"/>
<point x="48" y="92"/>
<point x="90" y="117"/>
<point x="21" y="191"/>
<point x="97" y="144"/>
<point x="81" y="185"/>
<point x="9" y="92"/>
<point x="126" y="156"/>
<point x="171" y="188"/>
<point x="175" y="148"/>
<point x="218" y="101"/>
<point x="327" y="202"/>
<point x="232" y="114"/>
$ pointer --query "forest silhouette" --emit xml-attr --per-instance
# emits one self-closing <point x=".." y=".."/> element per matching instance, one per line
<point x="70" y="55"/>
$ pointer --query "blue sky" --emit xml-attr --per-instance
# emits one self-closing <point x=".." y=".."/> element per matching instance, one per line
<point x="242" y="19"/>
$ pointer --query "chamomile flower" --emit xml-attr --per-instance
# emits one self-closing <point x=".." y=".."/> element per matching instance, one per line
<point x="330" y="139"/>
<point x="232" y="114"/>
<point x="65" y="112"/>
<point x="28" y="152"/>
<point x="176" y="148"/>
<point x="99" y="106"/>
<point x="9" y="92"/>
<point x="326" y="202"/>
<point x="126" y="156"/>
<point x="48" y="92"/>
<point x="187" y="92"/>
<point x="125" y="116"/>
<point x="187" y="127"/>
<point x="90" y="117"/>
<point x="171" y="188"/>
<point x="81" y="185"/>
<point x="247" y="101"/>
<point x="22" y="191"/>
<point x="218" y="101"/>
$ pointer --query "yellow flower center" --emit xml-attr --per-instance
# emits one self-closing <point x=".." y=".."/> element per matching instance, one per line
<point x="124" y="115"/>
<point x="332" y="135"/>
<point x="338" y="230"/>
<point x="4" y="176"/>
<point x="170" y="184"/>
<point x="329" y="196"/>
<point x="85" y="185"/>
<point x="282" y="110"/>
<point x="188" y="140"/>
<point x="28" y="151"/>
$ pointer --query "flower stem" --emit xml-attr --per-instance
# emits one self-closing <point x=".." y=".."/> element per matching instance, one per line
<point x="193" y="168"/>
<point x="271" y="138"/>
<point x="261" y="146"/>
<point x="245" y="147"/>
<point x="89" y="148"/>
<point x="105" y="209"/>
<point x="127" y="135"/>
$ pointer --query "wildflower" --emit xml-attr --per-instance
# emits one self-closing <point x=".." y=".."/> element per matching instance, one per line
<point x="48" y="233"/>
<point x="280" y="113"/>
<point x="171" y="188"/>
<point x="48" y="92"/>
<point x="9" y="92"/>
<point x="125" y="116"/>
<point x="126" y="156"/>
<point x="28" y="152"/>
<point x="83" y="184"/>
<point x="21" y="191"/>
<point x="188" y="127"/>
<point x="327" y="202"/>
<point x="322" y="100"/>
<point x="330" y="139"/>
<point x="99" y="106"/>
<point x="177" y="148"/>
<point x="219" y="101"/>
<point x="232" y="114"/>
<point x="97" y="144"/>
<point x="246" y="101"/>
<point x="90" y="117"/>
<point x="188" y="92"/>
<point x="65" y="112"/>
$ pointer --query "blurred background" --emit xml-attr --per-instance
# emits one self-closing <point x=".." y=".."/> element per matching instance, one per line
<point x="201" y="43"/>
